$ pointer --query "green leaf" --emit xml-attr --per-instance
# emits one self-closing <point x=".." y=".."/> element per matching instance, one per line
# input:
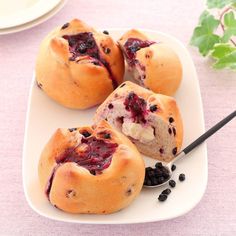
<point x="229" y="19"/>
<point x="225" y="55"/>
<point x="203" y="16"/>
<point x="203" y="36"/>
<point x="220" y="50"/>
<point x="230" y="26"/>
<point x="219" y="3"/>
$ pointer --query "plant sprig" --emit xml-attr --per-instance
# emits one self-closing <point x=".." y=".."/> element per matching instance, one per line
<point x="215" y="34"/>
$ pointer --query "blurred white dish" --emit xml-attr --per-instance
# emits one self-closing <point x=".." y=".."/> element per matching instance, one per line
<point x="35" y="22"/>
<point x="15" y="12"/>
<point x="45" y="116"/>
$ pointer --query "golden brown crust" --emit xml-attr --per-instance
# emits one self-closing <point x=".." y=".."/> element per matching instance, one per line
<point x="167" y="108"/>
<point x="77" y="84"/>
<point x="74" y="189"/>
<point x="163" y="69"/>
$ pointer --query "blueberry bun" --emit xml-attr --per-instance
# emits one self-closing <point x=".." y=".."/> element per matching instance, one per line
<point x="94" y="170"/>
<point x="78" y="66"/>
<point x="154" y="65"/>
<point x="151" y="121"/>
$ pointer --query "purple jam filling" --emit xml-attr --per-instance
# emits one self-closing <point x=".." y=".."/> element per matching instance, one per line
<point x="84" y="44"/>
<point x="132" y="45"/>
<point x="49" y="184"/>
<point x="96" y="157"/>
<point x="137" y="106"/>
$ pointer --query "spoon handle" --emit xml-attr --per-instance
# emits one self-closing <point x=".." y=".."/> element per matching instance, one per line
<point x="208" y="133"/>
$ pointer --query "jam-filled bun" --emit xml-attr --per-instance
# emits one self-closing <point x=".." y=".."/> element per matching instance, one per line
<point x="78" y="66"/>
<point x="154" y="65"/>
<point x="91" y="170"/>
<point x="151" y="121"/>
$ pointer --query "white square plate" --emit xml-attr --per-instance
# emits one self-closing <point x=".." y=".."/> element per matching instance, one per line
<point x="45" y="116"/>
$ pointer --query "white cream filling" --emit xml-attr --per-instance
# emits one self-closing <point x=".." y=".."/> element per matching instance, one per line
<point x="142" y="133"/>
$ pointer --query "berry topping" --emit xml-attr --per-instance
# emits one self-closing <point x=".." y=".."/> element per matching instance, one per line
<point x="132" y="45"/>
<point x="95" y="154"/>
<point x="106" y="32"/>
<point x="137" y="106"/>
<point x="84" y="44"/>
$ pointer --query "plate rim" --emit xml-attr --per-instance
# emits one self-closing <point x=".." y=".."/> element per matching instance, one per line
<point x="38" y="9"/>
<point x="35" y="22"/>
<point x="135" y="221"/>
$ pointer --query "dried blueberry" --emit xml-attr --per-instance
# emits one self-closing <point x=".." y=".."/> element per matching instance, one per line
<point x="158" y="164"/>
<point x="86" y="134"/>
<point x="120" y="119"/>
<point x="65" y="25"/>
<point x="90" y="43"/>
<point x="161" y="150"/>
<point x="82" y="48"/>
<point x="96" y="63"/>
<point x="70" y="193"/>
<point x="171" y="119"/>
<point x="172" y="183"/>
<point x="174" y="131"/>
<point x="174" y="151"/>
<point x="148" y="169"/>
<point x="161" y="180"/>
<point x="131" y="96"/>
<point x="166" y="191"/>
<point x="39" y="85"/>
<point x="93" y="172"/>
<point x="181" y="177"/>
<point x="162" y="197"/>
<point x="170" y="131"/>
<point x="107" y="136"/>
<point x="151" y="173"/>
<point x="149" y="183"/>
<point x="153" y="108"/>
<point x="106" y="32"/>
<point x="107" y="50"/>
<point x="110" y="106"/>
<point x="154" y="181"/>
<point x="72" y="129"/>
<point x="173" y="167"/>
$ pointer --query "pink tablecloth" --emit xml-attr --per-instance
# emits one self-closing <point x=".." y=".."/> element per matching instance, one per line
<point x="214" y="215"/>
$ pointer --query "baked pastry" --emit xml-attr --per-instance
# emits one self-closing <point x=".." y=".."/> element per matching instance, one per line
<point x="78" y="66"/>
<point x="91" y="170"/>
<point x="154" y="65"/>
<point x="151" y="121"/>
